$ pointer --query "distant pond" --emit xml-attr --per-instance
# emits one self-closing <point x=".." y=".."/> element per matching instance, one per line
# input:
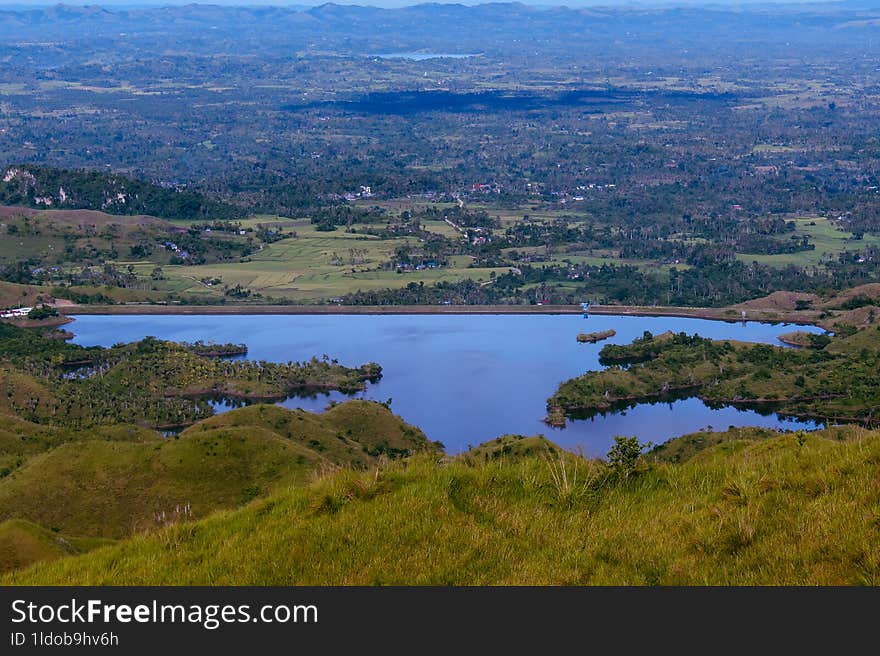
<point x="463" y="379"/>
<point x="422" y="56"/>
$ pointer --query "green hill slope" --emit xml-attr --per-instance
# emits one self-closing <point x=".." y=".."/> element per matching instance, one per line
<point x="511" y="447"/>
<point x="23" y="543"/>
<point x="353" y="432"/>
<point x="111" y="488"/>
<point x="20" y="439"/>
<point x="790" y="509"/>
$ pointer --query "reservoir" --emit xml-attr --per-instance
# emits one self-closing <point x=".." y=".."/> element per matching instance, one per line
<point x="463" y="379"/>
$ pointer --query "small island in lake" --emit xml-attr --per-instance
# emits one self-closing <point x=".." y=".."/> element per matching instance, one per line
<point x="592" y="338"/>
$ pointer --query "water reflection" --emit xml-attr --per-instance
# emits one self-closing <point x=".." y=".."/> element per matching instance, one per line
<point x="464" y="379"/>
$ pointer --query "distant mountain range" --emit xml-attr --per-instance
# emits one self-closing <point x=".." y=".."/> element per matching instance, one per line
<point x="499" y="27"/>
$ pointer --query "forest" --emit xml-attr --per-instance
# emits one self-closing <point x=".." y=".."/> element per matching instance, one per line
<point x="35" y="186"/>
<point x="605" y="165"/>
<point x="834" y="380"/>
<point x="151" y="383"/>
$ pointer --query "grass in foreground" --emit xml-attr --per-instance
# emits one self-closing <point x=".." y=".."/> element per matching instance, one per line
<point x="791" y="509"/>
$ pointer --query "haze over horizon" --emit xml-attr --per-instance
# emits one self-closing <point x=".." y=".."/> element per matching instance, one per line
<point x="395" y="4"/>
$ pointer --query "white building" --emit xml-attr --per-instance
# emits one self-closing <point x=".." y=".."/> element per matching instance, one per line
<point x="12" y="314"/>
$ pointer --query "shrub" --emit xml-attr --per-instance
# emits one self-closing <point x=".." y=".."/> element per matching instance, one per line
<point x="42" y="312"/>
<point x="624" y="456"/>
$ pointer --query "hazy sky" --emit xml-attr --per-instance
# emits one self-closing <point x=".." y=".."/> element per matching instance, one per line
<point x="383" y="3"/>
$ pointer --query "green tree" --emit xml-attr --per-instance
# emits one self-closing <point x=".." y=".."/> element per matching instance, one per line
<point x="42" y="312"/>
<point x="624" y="456"/>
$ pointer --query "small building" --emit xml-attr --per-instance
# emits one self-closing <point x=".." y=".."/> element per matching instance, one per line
<point x="15" y="313"/>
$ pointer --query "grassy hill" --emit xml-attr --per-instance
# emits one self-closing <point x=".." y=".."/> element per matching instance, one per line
<point x="511" y="446"/>
<point x="351" y="433"/>
<point x="15" y="295"/>
<point x="20" y="439"/>
<point x="113" y="487"/>
<point x="788" y="509"/>
<point x="23" y="543"/>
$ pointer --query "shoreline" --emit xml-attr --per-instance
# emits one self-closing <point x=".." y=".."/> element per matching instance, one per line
<point x="730" y="315"/>
<point x="53" y="322"/>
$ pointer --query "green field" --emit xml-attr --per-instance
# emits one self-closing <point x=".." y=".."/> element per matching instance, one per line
<point x="316" y="265"/>
<point x="830" y="241"/>
<point x="309" y="265"/>
<point x="536" y="211"/>
<point x="750" y="509"/>
<point x="441" y="228"/>
<point x="319" y="265"/>
<point x="312" y="265"/>
<point x="596" y="260"/>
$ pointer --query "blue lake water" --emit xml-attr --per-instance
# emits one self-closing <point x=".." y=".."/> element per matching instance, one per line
<point x="463" y="379"/>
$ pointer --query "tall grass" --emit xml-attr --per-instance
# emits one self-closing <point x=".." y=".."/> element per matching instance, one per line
<point x="765" y="512"/>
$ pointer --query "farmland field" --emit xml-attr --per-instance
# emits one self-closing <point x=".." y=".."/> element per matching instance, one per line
<point x="830" y="242"/>
<point x="315" y="265"/>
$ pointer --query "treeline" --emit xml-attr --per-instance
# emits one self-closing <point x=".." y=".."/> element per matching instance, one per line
<point x="689" y="241"/>
<point x="712" y="285"/>
<point x="44" y="187"/>
<point x="836" y="385"/>
<point x="466" y="292"/>
<point x="328" y="217"/>
<point x="151" y="382"/>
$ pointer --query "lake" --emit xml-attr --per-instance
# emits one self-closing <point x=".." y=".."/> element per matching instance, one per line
<point x="463" y="379"/>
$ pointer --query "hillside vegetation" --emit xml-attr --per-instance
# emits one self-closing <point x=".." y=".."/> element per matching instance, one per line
<point x="90" y="493"/>
<point x="80" y="454"/>
<point x="23" y="543"/>
<point x="836" y="379"/>
<point x="789" y="509"/>
<point x="111" y="483"/>
<point x="110" y="488"/>
<point x="40" y="186"/>
<point x="15" y="295"/>
<point x="150" y="382"/>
